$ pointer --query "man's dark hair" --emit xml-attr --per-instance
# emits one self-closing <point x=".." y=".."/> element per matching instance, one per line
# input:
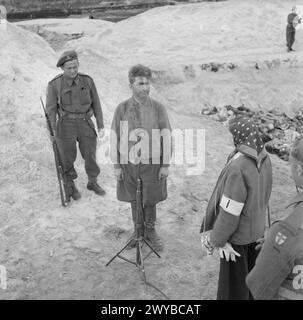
<point x="139" y="71"/>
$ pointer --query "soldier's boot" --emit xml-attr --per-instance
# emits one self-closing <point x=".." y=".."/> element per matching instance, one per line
<point x="150" y="232"/>
<point x="94" y="186"/>
<point x="73" y="191"/>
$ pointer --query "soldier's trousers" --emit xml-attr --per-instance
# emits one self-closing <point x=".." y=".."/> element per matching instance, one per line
<point x="69" y="131"/>
<point x="290" y="36"/>
<point x="232" y="274"/>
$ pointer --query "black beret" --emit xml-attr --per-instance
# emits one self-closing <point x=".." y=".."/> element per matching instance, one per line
<point x="67" y="56"/>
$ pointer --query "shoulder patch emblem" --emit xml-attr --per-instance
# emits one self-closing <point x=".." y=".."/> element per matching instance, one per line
<point x="280" y="238"/>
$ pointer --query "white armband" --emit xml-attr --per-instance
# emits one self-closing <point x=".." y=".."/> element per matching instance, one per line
<point x="231" y="206"/>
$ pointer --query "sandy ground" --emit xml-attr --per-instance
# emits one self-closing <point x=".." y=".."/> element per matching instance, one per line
<point x="52" y="252"/>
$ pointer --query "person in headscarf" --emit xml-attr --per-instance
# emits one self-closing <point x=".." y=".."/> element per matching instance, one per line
<point x="235" y="217"/>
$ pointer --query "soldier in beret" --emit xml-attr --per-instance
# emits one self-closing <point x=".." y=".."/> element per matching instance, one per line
<point x="71" y="101"/>
<point x="145" y="154"/>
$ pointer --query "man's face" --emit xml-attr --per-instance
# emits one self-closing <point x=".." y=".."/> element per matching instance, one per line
<point x="141" y="87"/>
<point x="70" y="68"/>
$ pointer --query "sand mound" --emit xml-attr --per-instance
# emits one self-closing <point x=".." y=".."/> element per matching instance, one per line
<point x="230" y="52"/>
<point x="28" y="62"/>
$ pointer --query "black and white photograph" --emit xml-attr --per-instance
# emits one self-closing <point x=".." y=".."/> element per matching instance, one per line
<point x="151" y="150"/>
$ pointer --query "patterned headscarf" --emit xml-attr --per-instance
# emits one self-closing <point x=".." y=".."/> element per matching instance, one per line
<point x="246" y="132"/>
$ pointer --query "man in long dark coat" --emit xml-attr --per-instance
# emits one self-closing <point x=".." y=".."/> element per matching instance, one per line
<point x="142" y="148"/>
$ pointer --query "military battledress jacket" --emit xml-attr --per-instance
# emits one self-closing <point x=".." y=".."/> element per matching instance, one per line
<point x="278" y="273"/>
<point x="73" y="98"/>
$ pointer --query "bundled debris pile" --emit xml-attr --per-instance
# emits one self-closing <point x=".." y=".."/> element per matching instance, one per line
<point x="277" y="129"/>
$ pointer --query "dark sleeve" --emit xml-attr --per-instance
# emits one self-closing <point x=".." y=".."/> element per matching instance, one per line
<point x="96" y="105"/>
<point x="231" y="204"/>
<point x="291" y="18"/>
<point x="51" y="104"/>
<point x="166" y="136"/>
<point x="115" y="138"/>
<point x="273" y="265"/>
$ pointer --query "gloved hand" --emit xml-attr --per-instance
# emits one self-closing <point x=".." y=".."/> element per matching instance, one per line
<point x="228" y="252"/>
<point x="206" y="245"/>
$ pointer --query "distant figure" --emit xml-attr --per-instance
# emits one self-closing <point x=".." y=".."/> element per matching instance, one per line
<point x="278" y="273"/>
<point x="91" y="16"/>
<point x="292" y="22"/>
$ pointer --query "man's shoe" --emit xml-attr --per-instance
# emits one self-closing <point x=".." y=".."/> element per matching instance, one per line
<point x="93" y="186"/>
<point x="154" y="240"/>
<point x="73" y="191"/>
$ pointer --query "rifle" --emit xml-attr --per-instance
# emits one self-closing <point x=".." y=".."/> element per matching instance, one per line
<point x="63" y="186"/>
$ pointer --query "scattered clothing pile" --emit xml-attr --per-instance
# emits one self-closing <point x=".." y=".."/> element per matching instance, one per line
<point x="278" y="129"/>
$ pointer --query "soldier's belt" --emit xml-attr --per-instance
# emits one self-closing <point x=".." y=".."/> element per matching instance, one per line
<point x="74" y="116"/>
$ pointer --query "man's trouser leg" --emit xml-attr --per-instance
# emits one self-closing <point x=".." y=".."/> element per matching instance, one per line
<point x="134" y="216"/>
<point x="292" y="38"/>
<point x="150" y="221"/>
<point x="231" y="285"/>
<point x="66" y="141"/>
<point x="68" y="153"/>
<point x="288" y="37"/>
<point x="87" y="146"/>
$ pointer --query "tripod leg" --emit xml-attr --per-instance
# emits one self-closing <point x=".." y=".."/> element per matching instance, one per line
<point x="151" y="248"/>
<point x="131" y="239"/>
<point x="141" y="265"/>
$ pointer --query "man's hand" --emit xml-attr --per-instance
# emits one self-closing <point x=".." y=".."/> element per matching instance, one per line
<point x="163" y="173"/>
<point x="206" y="245"/>
<point x="228" y="252"/>
<point x="100" y="133"/>
<point x="260" y="243"/>
<point x="119" y="174"/>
